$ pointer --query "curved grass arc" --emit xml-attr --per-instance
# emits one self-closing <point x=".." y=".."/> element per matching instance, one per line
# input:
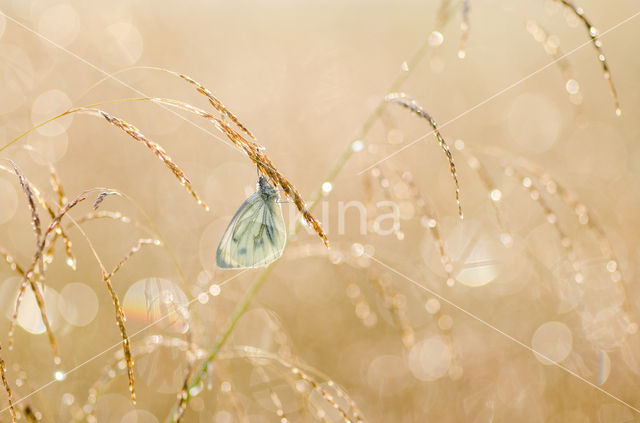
<point x="333" y="173"/>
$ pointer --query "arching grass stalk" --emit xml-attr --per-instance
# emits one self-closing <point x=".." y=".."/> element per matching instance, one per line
<point x="176" y="414"/>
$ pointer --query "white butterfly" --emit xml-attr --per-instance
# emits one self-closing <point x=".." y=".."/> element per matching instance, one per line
<point x="256" y="235"/>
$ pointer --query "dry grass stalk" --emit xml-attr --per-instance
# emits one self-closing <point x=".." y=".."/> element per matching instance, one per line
<point x="7" y="388"/>
<point x="443" y="15"/>
<point x="120" y="316"/>
<point x="517" y="167"/>
<point x="36" y="271"/>
<point x="275" y="399"/>
<point x="580" y="211"/>
<point x="152" y="343"/>
<point x="119" y="312"/>
<point x="326" y="395"/>
<point x="26" y="187"/>
<point x="100" y="198"/>
<point x="126" y="344"/>
<point x="405" y="101"/>
<point x="62" y="200"/>
<point x="464" y="28"/>
<point x="306" y="374"/>
<point x="551" y="217"/>
<point x="183" y="398"/>
<point x="594" y="35"/>
<point x="136" y="248"/>
<point x="217" y="104"/>
<point x="59" y="231"/>
<point x="428" y="216"/>
<point x="258" y="156"/>
<point x="11" y="261"/>
<point x="429" y="219"/>
<point x="157" y="149"/>
<point x="70" y="260"/>
<point x="110" y="371"/>
<point x="31" y="415"/>
<point x="104" y="214"/>
<point x="552" y="48"/>
<point x="358" y="300"/>
<point x="255" y="151"/>
<point x="506" y="236"/>
<point x="30" y="279"/>
<point x="151" y="229"/>
<point x="396" y="304"/>
<point x="56" y="185"/>
<point x="585" y="218"/>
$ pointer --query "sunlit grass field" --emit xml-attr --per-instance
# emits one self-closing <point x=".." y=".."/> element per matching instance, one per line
<point x="458" y="181"/>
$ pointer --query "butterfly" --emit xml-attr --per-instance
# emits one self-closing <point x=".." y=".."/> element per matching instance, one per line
<point x="256" y="234"/>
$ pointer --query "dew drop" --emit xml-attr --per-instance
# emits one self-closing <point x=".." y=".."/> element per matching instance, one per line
<point x="435" y="39"/>
<point x="327" y="187"/>
<point x="506" y="239"/>
<point x="59" y="375"/>
<point x="214" y="290"/>
<point x="405" y="67"/>
<point x="445" y="322"/>
<point x="473" y="163"/>
<point x="496" y="194"/>
<point x="552" y="342"/>
<point x="357" y="249"/>
<point x="357" y="146"/>
<point x="335" y="257"/>
<point x="194" y="391"/>
<point x="432" y="306"/>
<point x="353" y="290"/>
<point x="71" y="262"/>
<point x="301" y="386"/>
<point x="572" y="86"/>
<point x="68" y="399"/>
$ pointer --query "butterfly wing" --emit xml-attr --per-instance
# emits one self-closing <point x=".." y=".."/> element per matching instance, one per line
<point x="255" y="236"/>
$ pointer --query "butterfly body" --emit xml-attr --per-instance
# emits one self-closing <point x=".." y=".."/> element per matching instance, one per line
<point x="256" y="234"/>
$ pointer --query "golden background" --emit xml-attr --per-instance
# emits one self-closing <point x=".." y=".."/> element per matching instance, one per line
<point x="529" y="266"/>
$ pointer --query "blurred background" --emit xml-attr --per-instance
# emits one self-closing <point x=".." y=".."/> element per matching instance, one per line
<point x="440" y="324"/>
